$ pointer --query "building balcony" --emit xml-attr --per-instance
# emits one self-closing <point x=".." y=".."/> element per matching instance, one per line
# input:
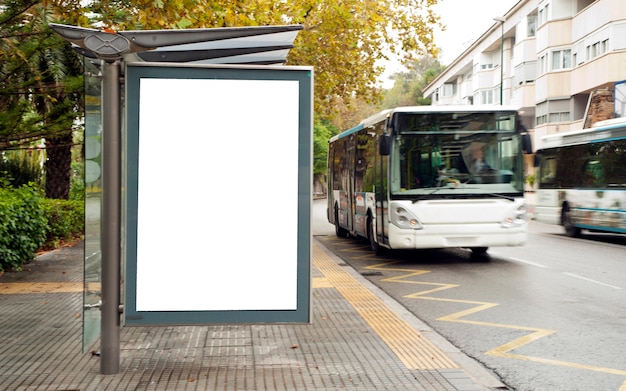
<point x="553" y="84"/>
<point x="599" y="72"/>
<point x="524" y="96"/>
<point x="486" y="78"/>
<point x="554" y="34"/>
<point x="525" y="51"/>
<point x="597" y="15"/>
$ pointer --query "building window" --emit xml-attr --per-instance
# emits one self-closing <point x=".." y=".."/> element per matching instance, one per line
<point x="552" y="111"/>
<point x="597" y="49"/>
<point x="532" y="25"/>
<point x="544" y="14"/>
<point x="486" y="97"/>
<point x="449" y="89"/>
<point x="486" y="66"/>
<point x="559" y="117"/>
<point x="561" y="59"/>
<point x="605" y="46"/>
<point x="541" y="119"/>
<point x="543" y="64"/>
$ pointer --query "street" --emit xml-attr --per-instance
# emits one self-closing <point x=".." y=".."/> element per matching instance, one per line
<point x="546" y="316"/>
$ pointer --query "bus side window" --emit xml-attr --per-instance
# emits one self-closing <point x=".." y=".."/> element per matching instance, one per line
<point x="614" y="162"/>
<point x="593" y="174"/>
<point x="547" y="172"/>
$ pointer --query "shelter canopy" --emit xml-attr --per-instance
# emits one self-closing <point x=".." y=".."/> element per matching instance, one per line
<point x="264" y="45"/>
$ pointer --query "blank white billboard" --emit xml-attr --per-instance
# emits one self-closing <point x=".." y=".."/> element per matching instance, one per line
<point x="218" y="203"/>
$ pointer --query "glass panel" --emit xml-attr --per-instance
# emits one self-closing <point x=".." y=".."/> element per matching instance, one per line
<point x="556" y="60"/>
<point x="456" y="164"/>
<point x="93" y="201"/>
<point x="452" y="122"/>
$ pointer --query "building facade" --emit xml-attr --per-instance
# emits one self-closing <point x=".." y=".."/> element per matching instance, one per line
<point x="559" y="61"/>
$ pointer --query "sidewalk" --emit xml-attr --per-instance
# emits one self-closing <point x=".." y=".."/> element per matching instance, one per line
<point x="359" y="339"/>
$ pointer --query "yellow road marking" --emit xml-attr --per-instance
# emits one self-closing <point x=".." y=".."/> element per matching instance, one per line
<point x="16" y="288"/>
<point x="410" y="347"/>
<point x="502" y="350"/>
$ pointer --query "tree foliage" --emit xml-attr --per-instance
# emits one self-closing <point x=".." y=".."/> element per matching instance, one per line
<point x="40" y="84"/>
<point x="322" y="131"/>
<point x="344" y="40"/>
<point x="409" y="86"/>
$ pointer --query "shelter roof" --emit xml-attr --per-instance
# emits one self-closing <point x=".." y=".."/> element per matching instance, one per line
<point x="262" y="45"/>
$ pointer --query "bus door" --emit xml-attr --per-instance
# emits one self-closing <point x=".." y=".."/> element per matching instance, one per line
<point x="350" y="207"/>
<point x="382" y="202"/>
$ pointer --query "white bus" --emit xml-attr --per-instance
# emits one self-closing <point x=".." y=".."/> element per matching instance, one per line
<point x="410" y="178"/>
<point x="582" y="179"/>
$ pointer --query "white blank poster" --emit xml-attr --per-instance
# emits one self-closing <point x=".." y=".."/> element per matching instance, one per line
<point x="217" y="217"/>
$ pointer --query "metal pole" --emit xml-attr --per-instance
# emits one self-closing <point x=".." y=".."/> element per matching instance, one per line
<point x="111" y="236"/>
<point x="501" y="61"/>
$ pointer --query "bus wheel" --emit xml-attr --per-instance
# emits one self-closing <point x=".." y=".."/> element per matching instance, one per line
<point x="370" y="236"/>
<point x="340" y="232"/>
<point x="566" y="220"/>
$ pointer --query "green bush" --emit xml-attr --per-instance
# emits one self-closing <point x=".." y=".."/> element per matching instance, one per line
<point x="22" y="225"/>
<point x="66" y="220"/>
<point x="77" y="184"/>
<point x="22" y="167"/>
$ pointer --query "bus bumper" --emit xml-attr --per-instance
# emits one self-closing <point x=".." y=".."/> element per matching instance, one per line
<point x="466" y="235"/>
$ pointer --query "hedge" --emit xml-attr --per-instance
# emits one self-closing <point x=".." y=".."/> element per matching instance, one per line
<point x="66" y="221"/>
<point x="23" y="225"/>
<point x="30" y="222"/>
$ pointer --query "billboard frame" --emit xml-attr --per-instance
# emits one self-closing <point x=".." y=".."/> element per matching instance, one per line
<point x="136" y="313"/>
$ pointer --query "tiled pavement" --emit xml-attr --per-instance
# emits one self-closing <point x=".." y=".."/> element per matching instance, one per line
<point x="359" y="339"/>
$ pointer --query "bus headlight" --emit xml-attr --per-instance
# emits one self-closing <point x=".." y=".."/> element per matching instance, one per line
<point x="517" y="218"/>
<point x="402" y="218"/>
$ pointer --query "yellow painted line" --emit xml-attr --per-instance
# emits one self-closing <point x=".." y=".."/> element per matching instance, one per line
<point x="415" y="351"/>
<point x="502" y="350"/>
<point x="18" y="288"/>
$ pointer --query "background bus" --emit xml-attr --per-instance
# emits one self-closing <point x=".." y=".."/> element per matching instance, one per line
<point x="582" y="179"/>
<point x="412" y="177"/>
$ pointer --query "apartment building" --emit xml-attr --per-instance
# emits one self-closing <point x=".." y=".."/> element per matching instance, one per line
<point x="562" y="62"/>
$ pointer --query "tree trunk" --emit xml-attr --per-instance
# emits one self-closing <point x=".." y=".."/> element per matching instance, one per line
<point x="58" y="166"/>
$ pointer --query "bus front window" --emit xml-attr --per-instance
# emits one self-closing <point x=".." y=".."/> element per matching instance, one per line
<point x="455" y="164"/>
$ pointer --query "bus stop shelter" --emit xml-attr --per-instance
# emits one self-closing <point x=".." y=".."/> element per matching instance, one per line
<point x="248" y="50"/>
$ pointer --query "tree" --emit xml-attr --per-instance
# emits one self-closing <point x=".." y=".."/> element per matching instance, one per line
<point x="409" y="86"/>
<point x="40" y="88"/>
<point x="322" y="131"/>
<point x="343" y="40"/>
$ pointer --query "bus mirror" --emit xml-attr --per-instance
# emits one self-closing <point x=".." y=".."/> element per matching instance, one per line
<point x="527" y="144"/>
<point x="385" y="145"/>
<point x="537" y="159"/>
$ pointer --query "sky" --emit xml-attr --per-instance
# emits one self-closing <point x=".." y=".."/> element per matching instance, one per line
<point x="465" y="21"/>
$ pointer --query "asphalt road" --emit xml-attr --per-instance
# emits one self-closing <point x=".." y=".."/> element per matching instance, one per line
<point x="549" y="315"/>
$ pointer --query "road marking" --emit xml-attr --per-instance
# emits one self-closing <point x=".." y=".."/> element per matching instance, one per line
<point x="528" y="262"/>
<point x="502" y="350"/>
<point x="404" y="340"/>
<point x="519" y="260"/>
<point x="590" y="280"/>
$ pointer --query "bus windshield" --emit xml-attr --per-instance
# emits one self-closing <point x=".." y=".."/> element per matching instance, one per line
<point x="456" y="163"/>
